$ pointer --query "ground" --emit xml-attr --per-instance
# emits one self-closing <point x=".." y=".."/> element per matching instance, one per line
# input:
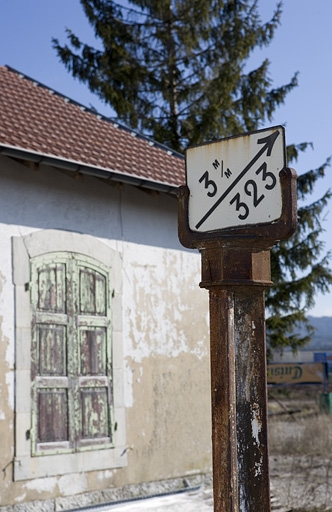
<point x="300" y="445"/>
<point x="300" y="439"/>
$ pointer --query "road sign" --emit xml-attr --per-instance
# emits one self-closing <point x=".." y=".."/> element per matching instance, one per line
<point x="239" y="200"/>
<point x="235" y="181"/>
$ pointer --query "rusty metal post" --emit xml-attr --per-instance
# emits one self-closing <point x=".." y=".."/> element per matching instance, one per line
<point x="238" y="376"/>
<point x="236" y="271"/>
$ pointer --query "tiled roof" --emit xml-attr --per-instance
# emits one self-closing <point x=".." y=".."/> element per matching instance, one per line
<point x="37" y="120"/>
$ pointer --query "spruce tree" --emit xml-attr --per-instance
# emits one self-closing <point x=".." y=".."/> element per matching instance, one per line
<point x="179" y="71"/>
<point x="175" y="69"/>
<point x="299" y="266"/>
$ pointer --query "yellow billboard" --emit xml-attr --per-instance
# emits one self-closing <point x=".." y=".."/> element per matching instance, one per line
<point x="296" y="373"/>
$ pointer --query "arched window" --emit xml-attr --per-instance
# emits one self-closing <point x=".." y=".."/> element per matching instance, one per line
<point x="69" y="406"/>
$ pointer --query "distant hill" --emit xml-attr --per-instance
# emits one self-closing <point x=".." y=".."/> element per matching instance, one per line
<point x="322" y="338"/>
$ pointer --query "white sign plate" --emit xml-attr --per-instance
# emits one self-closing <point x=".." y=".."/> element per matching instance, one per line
<point x="235" y="181"/>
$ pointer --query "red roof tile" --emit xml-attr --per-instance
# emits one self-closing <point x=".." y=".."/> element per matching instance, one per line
<point x="34" y="118"/>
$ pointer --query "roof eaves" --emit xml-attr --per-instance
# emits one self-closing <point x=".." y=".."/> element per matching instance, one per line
<point x="99" y="172"/>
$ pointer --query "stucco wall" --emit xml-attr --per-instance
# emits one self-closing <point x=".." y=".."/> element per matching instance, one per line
<point x="164" y="315"/>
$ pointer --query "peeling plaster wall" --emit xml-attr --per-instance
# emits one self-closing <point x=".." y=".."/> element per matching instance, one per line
<point x="167" y="363"/>
<point x="165" y="326"/>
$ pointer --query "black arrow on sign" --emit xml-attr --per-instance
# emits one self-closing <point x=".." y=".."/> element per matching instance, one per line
<point x="268" y="145"/>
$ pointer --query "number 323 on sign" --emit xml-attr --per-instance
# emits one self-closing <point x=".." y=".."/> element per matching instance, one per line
<point x="235" y="181"/>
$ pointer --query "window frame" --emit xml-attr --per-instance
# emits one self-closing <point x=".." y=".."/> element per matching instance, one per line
<point x="25" y="248"/>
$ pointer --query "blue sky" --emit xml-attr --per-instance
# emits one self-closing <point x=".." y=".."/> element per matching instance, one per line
<point x="302" y="43"/>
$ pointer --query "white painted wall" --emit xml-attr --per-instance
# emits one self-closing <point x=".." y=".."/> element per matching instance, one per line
<point x="164" y="315"/>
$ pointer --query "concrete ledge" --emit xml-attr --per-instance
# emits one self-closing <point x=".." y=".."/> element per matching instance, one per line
<point x="113" y="495"/>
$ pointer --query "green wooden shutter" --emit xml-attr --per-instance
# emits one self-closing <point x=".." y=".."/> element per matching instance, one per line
<point x="49" y="361"/>
<point x="71" y="367"/>
<point x="94" y="382"/>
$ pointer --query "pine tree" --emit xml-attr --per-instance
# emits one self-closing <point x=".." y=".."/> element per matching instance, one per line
<point x="175" y="69"/>
<point x="179" y="71"/>
<point x="298" y="269"/>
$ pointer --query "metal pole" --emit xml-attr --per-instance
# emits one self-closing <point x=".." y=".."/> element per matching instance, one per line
<point x="238" y="381"/>
<point x="223" y="400"/>
<point x="236" y="271"/>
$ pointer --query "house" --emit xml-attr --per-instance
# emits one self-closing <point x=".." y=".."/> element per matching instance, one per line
<point x="104" y="381"/>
